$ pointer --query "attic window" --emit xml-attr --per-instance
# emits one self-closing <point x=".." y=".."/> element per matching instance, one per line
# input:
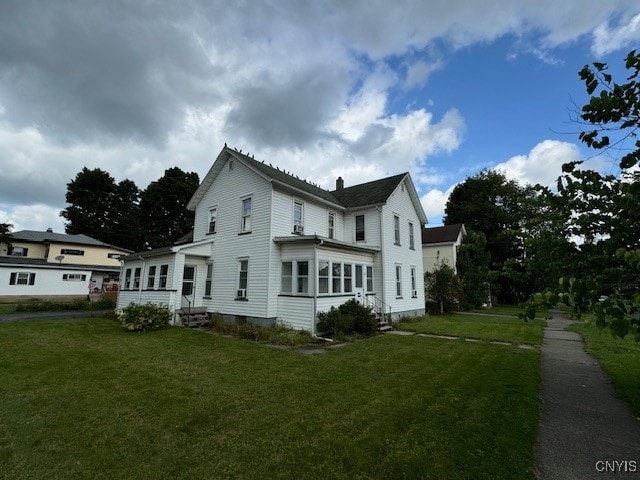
<point x="230" y="165"/>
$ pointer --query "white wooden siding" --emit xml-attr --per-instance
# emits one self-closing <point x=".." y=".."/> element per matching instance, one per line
<point x="399" y="203"/>
<point x="226" y="192"/>
<point x="296" y="312"/>
<point x="47" y="282"/>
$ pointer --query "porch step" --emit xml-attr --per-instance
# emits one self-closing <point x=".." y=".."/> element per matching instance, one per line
<point x="195" y="317"/>
<point x="385" y="328"/>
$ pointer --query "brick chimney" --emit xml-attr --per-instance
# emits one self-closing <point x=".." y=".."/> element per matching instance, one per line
<point x="339" y="183"/>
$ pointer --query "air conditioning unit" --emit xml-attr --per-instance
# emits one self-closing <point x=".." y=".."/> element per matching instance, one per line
<point x="298" y="229"/>
<point x="242" y="293"/>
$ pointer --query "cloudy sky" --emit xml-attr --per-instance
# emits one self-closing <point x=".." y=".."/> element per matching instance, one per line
<point x="360" y="89"/>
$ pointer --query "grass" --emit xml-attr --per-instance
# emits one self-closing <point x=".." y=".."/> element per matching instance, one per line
<point x="620" y="358"/>
<point x="504" y="309"/>
<point x="7" y="308"/>
<point x="81" y="398"/>
<point x="483" y="327"/>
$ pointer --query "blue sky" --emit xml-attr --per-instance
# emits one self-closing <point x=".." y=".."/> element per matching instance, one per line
<point x="359" y="89"/>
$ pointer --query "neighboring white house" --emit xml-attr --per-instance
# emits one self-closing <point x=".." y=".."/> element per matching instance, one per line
<point x="56" y="266"/>
<point x="440" y="245"/>
<point x="269" y="247"/>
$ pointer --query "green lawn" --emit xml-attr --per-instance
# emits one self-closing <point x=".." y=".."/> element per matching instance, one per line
<point x="483" y="327"/>
<point x="80" y="398"/>
<point x="7" y="308"/>
<point x="619" y="357"/>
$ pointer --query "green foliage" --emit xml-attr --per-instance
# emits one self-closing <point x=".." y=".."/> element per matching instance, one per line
<point x="490" y="204"/>
<point x="277" y="335"/>
<point x="163" y="205"/>
<point x="38" y="306"/>
<point x="443" y="290"/>
<point x="349" y="318"/>
<point x="473" y="269"/>
<point x="139" y="318"/>
<point x="5" y="234"/>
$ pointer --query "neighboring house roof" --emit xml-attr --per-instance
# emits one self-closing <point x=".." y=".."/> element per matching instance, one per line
<point x="47" y="237"/>
<point x="371" y="193"/>
<point x="42" y="263"/>
<point x="444" y="234"/>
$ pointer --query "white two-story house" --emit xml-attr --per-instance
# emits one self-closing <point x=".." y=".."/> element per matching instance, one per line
<point x="270" y="248"/>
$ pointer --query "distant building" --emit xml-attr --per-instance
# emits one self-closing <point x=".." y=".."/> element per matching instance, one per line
<point x="57" y="266"/>
<point x="440" y="245"/>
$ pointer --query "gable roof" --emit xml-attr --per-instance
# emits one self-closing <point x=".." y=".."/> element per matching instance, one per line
<point x="370" y="193"/>
<point x="444" y="234"/>
<point x="48" y="237"/>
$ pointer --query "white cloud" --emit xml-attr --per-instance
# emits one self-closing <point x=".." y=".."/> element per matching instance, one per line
<point x="418" y="72"/>
<point x="543" y="164"/>
<point x="608" y="39"/>
<point x="33" y="217"/>
<point x="434" y="203"/>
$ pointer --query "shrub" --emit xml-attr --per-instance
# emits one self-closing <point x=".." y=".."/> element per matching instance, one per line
<point x="138" y="318"/>
<point x="349" y="318"/>
<point x="279" y="334"/>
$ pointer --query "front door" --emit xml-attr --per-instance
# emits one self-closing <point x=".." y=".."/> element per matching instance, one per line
<point x="188" y="286"/>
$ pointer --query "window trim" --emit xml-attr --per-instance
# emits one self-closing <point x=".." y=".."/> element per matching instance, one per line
<point x="363" y="230"/>
<point x="412" y="241"/>
<point x="151" y="277"/>
<point x="300" y="221"/>
<point x="398" y="269"/>
<point x="74" y="277"/>
<point x="242" y="278"/>
<point x="24" y="251"/>
<point x="289" y="276"/>
<point x="396" y="229"/>
<point x="208" y="282"/>
<point x="414" y="282"/>
<point x="163" y="277"/>
<point x="14" y="279"/>
<point x="213" y="220"/>
<point x="331" y="225"/>
<point x="327" y="265"/>
<point x="245" y="219"/>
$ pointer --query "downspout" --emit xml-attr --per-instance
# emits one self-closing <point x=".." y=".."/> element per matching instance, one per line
<point x="315" y="289"/>
<point x="144" y="264"/>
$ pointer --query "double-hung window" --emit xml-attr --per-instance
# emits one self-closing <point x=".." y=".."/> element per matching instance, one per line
<point x="398" y="281"/>
<point x="213" y="216"/>
<point x="151" y="277"/>
<point x="245" y="224"/>
<point x="286" y="281"/>
<point x="369" y="278"/>
<point x="323" y="276"/>
<point x="412" y="245"/>
<point x="348" y="278"/>
<point x="332" y="225"/>
<point x="302" y="279"/>
<point x="414" y="288"/>
<point x="336" y="277"/>
<point x="22" y="278"/>
<point x="127" y="279"/>
<point x="18" y="251"/>
<point x="209" y="280"/>
<point x="136" y="277"/>
<point x="298" y="212"/>
<point x="162" y="280"/>
<point x="396" y="229"/>
<point x="243" y="278"/>
<point x="360" y="228"/>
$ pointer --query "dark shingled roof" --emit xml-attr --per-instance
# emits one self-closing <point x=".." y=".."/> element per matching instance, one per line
<point x="446" y="233"/>
<point x="370" y="193"/>
<point x="43" y="237"/>
<point x="287" y="178"/>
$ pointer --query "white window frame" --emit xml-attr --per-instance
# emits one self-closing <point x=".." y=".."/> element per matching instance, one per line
<point x="337" y="278"/>
<point x="151" y="277"/>
<point x="74" y="277"/>
<point x="369" y="280"/>
<point x="213" y="218"/>
<point x="414" y="282"/>
<point x="286" y="278"/>
<point x="412" y="244"/>
<point x="163" y="276"/>
<point x="243" y="277"/>
<point x="208" y="280"/>
<point x="245" y="218"/>
<point x="324" y="264"/>
<point x="127" y="278"/>
<point x="302" y="280"/>
<point x="364" y="228"/>
<point x="347" y="279"/>
<point x="137" y="273"/>
<point x="396" y="229"/>
<point x="398" y="280"/>
<point x="298" y="207"/>
<point x="16" y="278"/>
<point x="331" y="222"/>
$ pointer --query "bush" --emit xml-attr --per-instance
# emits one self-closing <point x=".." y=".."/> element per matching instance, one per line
<point x="349" y="318"/>
<point x="38" y="306"/>
<point x="138" y="318"/>
<point x="279" y="334"/>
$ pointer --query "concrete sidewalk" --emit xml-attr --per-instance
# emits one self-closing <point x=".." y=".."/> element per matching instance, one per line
<point x="585" y="431"/>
